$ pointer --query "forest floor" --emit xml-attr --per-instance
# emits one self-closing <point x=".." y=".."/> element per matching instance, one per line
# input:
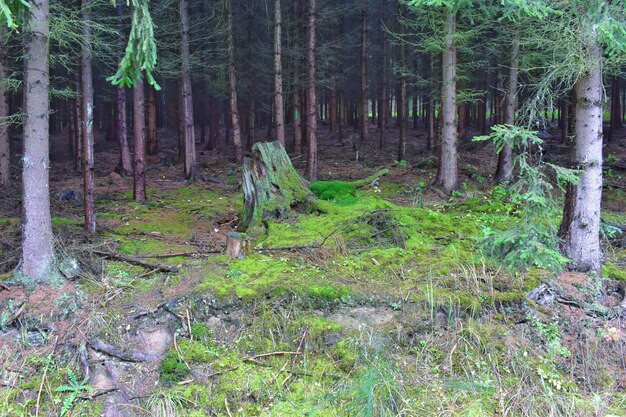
<point x="380" y="307"/>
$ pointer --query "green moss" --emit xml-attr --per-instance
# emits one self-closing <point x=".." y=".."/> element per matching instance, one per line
<point x="613" y="271"/>
<point x="172" y="369"/>
<point x="333" y="190"/>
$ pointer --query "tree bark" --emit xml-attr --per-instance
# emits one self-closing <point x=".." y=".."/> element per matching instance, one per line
<point x="38" y="259"/>
<point x="139" y="142"/>
<point x="365" y="122"/>
<point x="402" y="100"/>
<point x="271" y="185"/>
<point x="447" y="175"/>
<point x="279" y="111"/>
<point x="189" y="141"/>
<point x="152" y="143"/>
<point x="5" y="150"/>
<point x="232" y="85"/>
<point x="504" y="172"/>
<point x="87" y="122"/>
<point x="125" y="167"/>
<point x="383" y="102"/>
<point x="580" y="229"/>
<point x="311" y="168"/>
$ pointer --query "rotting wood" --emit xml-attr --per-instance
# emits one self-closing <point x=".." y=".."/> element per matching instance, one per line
<point x="271" y="186"/>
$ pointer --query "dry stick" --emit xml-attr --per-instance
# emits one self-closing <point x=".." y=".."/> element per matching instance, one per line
<point x="110" y="350"/>
<point x="227" y="409"/>
<point x="43" y="379"/>
<point x="294" y="248"/>
<point x="182" y="254"/>
<point x="264" y="355"/>
<point x="130" y="259"/>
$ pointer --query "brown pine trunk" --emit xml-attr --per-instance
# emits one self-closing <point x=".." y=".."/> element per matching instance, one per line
<point x="279" y="111"/>
<point x="447" y="175"/>
<point x="365" y="122"/>
<point x="402" y="101"/>
<point x="37" y="259"/>
<point x="139" y="143"/>
<point x="78" y="134"/>
<point x="504" y="172"/>
<point x="152" y="143"/>
<point x="87" y="122"/>
<point x="311" y="167"/>
<point x="189" y="140"/>
<point x="232" y="85"/>
<point x="430" y="113"/>
<point x="125" y="167"/>
<point x="5" y="151"/>
<point x="580" y="229"/>
<point x="383" y="101"/>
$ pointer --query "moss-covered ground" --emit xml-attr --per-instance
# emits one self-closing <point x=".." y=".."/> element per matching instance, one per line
<point x="381" y="306"/>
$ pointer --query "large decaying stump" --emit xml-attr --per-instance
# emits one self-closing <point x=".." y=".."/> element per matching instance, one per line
<point x="272" y="187"/>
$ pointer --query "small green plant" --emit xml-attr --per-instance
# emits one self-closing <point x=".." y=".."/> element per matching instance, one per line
<point x="73" y="389"/>
<point x="546" y="369"/>
<point x="418" y="196"/>
<point x="532" y="241"/>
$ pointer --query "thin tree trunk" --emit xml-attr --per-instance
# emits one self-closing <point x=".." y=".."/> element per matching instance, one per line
<point x="311" y="168"/>
<point x="565" y="120"/>
<point x="580" y="229"/>
<point x="87" y="121"/>
<point x="232" y="85"/>
<point x="279" y="111"/>
<point x="402" y="100"/>
<point x="152" y="143"/>
<point x="332" y="109"/>
<point x="125" y="167"/>
<point x="5" y="150"/>
<point x="78" y="134"/>
<point x="251" y="128"/>
<point x="189" y="141"/>
<point x="447" y="175"/>
<point x="139" y="143"/>
<point x="37" y="259"/>
<point x="504" y="172"/>
<point x="365" y="122"/>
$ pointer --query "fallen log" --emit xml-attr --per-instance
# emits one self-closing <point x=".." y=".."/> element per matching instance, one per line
<point x="137" y="261"/>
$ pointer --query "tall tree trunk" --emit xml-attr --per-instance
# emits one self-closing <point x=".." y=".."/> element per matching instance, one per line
<point x="189" y="141"/>
<point x="152" y="142"/>
<point x="5" y="150"/>
<point x="139" y="142"/>
<point x="402" y="99"/>
<point x="332" y="109"/>
<point x="232" y="85"/>
<point x="251" y="128"/>
<point x="447" y="175"/>
<point x="580" y="229"/>
<point x="87" y="121"/>
<point x="311" y="168"/>
<point x="214" y="123"/>
<point x="504" y="172"/>
<point x="38" y="259"/>
<point x="365" y="122"/>
<point x="78" y="134"/>
<point x="279" y="111"/>
<point x="125" y="167"/>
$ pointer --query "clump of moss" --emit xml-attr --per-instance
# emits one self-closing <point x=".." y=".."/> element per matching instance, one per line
<point x="172" y="369"/>
<point x="333" y="190"/>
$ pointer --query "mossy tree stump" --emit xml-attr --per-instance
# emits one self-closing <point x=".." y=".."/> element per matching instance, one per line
<point x="272" y="187"/>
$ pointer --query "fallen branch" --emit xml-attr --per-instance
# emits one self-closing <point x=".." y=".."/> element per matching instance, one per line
<point x="97" y="393"/>
<point x="279" y="353"/>
<point x="111" y="350"/>
<point x="134" y="260"/>
<point x="183" y="254"/>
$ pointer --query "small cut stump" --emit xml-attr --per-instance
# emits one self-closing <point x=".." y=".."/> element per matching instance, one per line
<point x="272" y="187"/>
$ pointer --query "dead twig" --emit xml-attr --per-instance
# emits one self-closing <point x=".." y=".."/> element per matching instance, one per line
<point x="134" y="260"/>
